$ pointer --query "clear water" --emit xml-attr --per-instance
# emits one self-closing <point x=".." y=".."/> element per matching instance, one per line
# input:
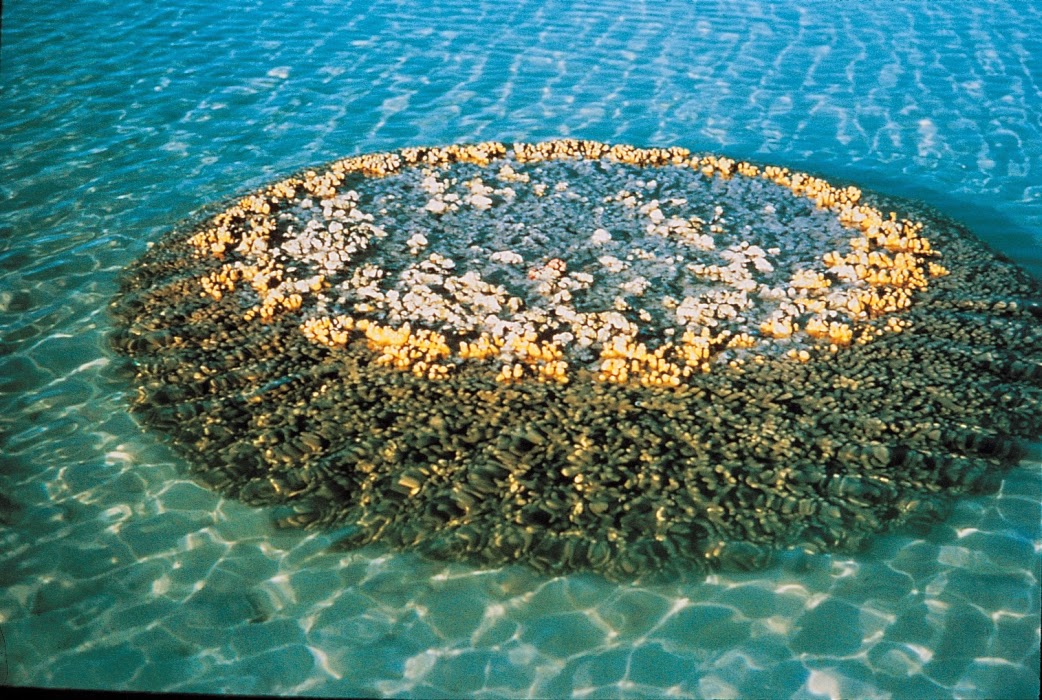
<point x="119" y="119"/>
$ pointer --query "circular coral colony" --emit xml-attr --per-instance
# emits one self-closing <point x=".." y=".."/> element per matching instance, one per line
<point x="584" y="356"/>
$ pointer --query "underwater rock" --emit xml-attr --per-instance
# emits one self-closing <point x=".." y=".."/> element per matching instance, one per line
<point x="584" y="356"/>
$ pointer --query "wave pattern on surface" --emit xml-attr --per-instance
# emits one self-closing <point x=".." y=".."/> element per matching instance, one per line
<point x="118" y="120"/>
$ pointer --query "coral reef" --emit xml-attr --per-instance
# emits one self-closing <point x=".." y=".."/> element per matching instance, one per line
<point x="585" y="356"/>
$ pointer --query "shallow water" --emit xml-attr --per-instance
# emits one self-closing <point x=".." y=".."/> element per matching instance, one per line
<point x="118" y="120"/>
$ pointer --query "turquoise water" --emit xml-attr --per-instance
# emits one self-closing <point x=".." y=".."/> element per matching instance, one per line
<point x="119" y="119"/>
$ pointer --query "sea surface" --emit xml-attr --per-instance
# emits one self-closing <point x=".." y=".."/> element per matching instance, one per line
<point x="120" y="119"/>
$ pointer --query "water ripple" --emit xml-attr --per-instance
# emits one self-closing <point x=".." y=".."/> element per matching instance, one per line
<point x="118" y="120"/>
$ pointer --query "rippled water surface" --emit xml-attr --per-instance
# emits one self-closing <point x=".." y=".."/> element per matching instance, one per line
<point x="117" y="120"/>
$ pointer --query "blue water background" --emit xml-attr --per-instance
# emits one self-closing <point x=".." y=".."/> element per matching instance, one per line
<point x="117" y="120"/>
